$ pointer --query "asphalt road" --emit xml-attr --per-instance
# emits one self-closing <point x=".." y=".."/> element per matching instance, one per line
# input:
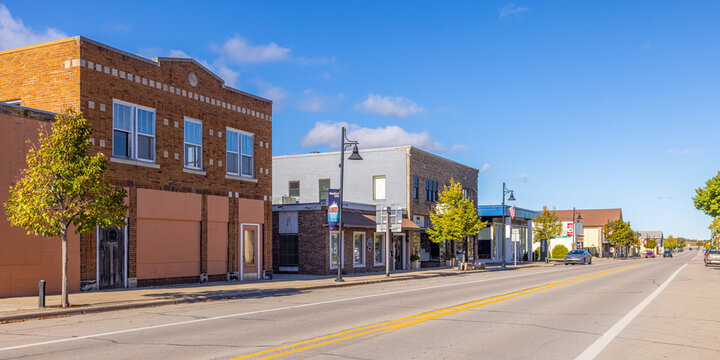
<point x="632" y="309"/>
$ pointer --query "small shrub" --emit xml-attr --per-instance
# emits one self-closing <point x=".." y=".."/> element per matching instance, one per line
<point x="415" y="257"/>
<point x="537" y="254"/>
<point x="559" y="251"/>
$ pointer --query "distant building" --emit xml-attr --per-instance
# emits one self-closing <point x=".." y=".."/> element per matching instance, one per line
<point x="655" y="235"/>
<point x="403" y="176"/>
<point x="591" y="238"/>
<point x="193" y="153"/>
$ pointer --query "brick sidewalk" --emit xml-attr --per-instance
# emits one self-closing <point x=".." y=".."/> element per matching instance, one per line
<point x="24" y="308"/>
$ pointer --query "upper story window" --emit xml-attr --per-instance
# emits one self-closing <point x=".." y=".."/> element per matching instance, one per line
<point x="416" y="187"/>
<point x="133" y="131"/>
<point x="294" y="190"/>
<point x="379" y="187"/>
<point x="193" y="143"/>
<point x="431" y="190"/>
<point x="240" y="153"/>
<point x="323" y="188"/>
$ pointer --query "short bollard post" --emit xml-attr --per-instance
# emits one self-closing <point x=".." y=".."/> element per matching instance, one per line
<point x="41" y="293"/>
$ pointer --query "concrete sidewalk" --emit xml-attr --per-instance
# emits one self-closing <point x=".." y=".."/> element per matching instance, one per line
<point x="24" y="308"/>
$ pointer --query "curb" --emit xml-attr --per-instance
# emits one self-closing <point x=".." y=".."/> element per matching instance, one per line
<point x="93" y="309"/>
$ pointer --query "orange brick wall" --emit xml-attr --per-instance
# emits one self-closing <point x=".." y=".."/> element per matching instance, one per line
<point x="55" y="75"/>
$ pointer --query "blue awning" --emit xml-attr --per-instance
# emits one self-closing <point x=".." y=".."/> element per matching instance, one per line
<point x="496" y="211"/>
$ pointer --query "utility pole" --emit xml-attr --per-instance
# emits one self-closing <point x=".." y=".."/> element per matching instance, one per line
<point x="387" y="243"/>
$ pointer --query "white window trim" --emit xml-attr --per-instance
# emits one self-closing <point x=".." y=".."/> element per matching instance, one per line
<point x="362" y="248"/>
<point x="196" y="121"/>
<point x="134" y="132"/>
<point x="376" y="177"/>
<point x="342" y="258"/>
<point x="239" y="152"/>
<point x="381" y="246"/>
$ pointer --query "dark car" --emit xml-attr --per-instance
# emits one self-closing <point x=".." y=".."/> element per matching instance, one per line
<point x="649" y="254"/>
<point x="667" y="253"/>
<point x="578" y="256"/>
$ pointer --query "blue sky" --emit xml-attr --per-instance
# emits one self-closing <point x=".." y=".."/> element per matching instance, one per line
<point x="572" y="103"/>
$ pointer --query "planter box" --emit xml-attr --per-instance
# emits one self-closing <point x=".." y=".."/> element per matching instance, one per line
<point x="416" y="265"/>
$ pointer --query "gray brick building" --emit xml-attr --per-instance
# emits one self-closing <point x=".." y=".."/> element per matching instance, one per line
<point x="402" y="176"/>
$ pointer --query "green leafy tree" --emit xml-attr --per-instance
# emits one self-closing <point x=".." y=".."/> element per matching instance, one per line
<point x="546" y="226"/>
<point x="707" y="199"/>
<point x="63" y="186"/>
<point x="619" y="233"/>
<point x="454" y="217"/>
<point x="670" y="242"/>
<point x="650" y="243"/>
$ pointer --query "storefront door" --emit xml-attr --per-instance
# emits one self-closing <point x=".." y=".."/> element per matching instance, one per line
<point x="250" y="252"/>
<point x="111" y="257"/>
<point x="398" y="247"/>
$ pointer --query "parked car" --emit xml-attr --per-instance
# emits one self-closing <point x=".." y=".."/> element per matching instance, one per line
<point x="649" y="254"/>
<point x="712" y="256"/>
<point x="579" y="256"/>
<point x="667" y="253"/>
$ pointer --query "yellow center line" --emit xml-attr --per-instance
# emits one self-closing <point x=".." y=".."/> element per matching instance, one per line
<point x="392" y="325"/>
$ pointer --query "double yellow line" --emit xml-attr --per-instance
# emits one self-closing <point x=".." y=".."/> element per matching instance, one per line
<point x="403" y="322"/>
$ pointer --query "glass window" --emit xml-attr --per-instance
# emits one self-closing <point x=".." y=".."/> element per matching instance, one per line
<point x="323" y="188"/>
<point x="133" y="131"/>
<point x="294" y="189"/>
<point x="249" y="246"/>
<point x="334" y="241"/>
<point x="379" y="249"/>
<point x="359" y="249"/>
<point x="379" y="187"/>
<point x="193" y="144"/>
<point x="416" y="187"/>
<point x="233" y="152"/>
<point x="247" y="154"/>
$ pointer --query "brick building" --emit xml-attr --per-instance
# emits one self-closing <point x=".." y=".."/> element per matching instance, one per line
<point x="193" y="153"/>
<point x="404" y="176"/>
<point x="303" y="243"/>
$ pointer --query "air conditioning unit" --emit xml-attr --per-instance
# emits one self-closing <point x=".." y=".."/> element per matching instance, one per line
<point x="290" y="200"/>
<point x="419" y="220"/>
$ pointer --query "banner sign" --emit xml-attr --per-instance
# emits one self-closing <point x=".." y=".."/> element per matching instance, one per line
<point x="333" y="208"/>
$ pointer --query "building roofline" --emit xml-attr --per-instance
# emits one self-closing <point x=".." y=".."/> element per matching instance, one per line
<point x="26" y="112"/>
<point x="156" y="61"/>
<point x="406" y="148"/>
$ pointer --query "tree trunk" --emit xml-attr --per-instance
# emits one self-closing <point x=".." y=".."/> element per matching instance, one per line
<point x="64" y="297"/>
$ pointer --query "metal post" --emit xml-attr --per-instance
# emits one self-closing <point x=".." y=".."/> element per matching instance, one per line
<point x="503" y="228"/>
<point x="340" y="207"/>
<point x="514" y="252"/>
<point x="574" y="245"/>
<point x="41" y="294"/>
<point x="387" y="244"/>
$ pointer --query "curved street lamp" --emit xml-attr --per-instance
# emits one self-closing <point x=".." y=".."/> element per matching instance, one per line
<point x="344" y="143"/>
<point x="511" y="198"/>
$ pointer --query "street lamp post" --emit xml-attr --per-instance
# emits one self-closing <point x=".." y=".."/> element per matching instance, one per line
<point x="511" y="198"/>
<point x="344" y="142"/>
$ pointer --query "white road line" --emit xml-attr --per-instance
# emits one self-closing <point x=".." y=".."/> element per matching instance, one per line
<point x="266" y="311"/>
<point x="600" y="344"/>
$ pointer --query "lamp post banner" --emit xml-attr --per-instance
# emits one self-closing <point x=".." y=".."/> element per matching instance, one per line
<point x="333" y="208"/>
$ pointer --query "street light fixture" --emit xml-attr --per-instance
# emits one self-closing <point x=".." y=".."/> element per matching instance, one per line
<point x="344" y="143"/>
<point x="511" y="198"/>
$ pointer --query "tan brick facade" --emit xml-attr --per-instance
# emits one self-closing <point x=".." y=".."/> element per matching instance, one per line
<point x="89" y="76"/>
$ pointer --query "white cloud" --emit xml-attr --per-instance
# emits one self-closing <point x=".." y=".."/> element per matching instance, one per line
<point x="396" y="107"/>
<point x="313" y="101"/>
<point x="327" y="133"/>
<point x="522" y="178"/>
<point x="178" y="54"/>
<point x="277" y="94"/>
<point x="684" y="151"/>
<point x="512" y="9"/>
<point x="230" y="76"/>
<point x="485" y="168"/>
<point x="238" y="50"/>
<point x="14" y="34"/>
<point x="459" y="148"/>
